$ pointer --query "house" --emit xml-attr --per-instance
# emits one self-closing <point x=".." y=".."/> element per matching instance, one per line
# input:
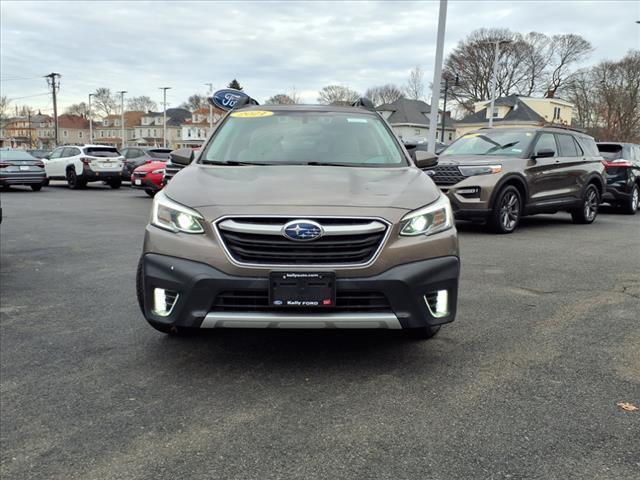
<point x="18" y="133"/>
<point x="72" y="129"/>
<point x="150" y="131"/>
<point x="44" y="128"/>
<point x="410" y="120"/>
<point x="517" y="111"/>
<point x="109" y="131"/>
<point x="196" y="129"/>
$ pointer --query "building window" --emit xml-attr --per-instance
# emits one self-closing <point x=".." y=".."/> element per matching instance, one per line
<point x="496" y="111"/>
<point x="148" y="132"/>
<point x="101" y="133"/>
<point x="416" y="131"/>
<point x="65" y="133"/>
<point x="450" y="136"/>
<point x="154" y="132"/>
<point x="79" y="134"/>
<point x="556" y="113"/>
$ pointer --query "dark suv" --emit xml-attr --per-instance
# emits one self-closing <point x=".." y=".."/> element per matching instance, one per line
<point x="498" y="175"/>
<point x="622" y="162"/>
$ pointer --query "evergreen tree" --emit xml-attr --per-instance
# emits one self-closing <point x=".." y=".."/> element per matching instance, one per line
<point x="234" y="84"/>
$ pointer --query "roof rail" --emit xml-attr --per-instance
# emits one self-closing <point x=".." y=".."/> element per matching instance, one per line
<point x="365" y="103"/>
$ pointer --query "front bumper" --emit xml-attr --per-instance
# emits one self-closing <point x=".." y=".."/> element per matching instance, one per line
<point x="198" y="286"/>
<point x="145" y="184"/>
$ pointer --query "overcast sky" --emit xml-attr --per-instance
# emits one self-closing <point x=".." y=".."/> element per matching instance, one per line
<point x="268" y="47"/>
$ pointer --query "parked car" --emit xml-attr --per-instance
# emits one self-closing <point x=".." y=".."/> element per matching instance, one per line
<point x="80" y="164"/>
<point x="498" y="175"/>
<point x="136" y="156"/>
<point x="300" y="217"/>
<point x="148" y="177"/>
<point x="622" y="164"/>
<point x="411" y="146"/>
<point x="39" y="153"/>
<point x="18" y="167"/>
<point x="172" y="168"/>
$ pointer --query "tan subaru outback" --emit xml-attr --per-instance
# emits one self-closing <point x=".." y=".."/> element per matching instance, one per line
<point x="300" y="217"/>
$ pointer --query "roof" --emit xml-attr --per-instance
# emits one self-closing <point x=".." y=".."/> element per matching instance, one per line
<point x="202" y="111"/>
<point x="177" y="116"/>
<point x="519" y="112"/>
<point x="72" y="121"/>
<point x="412" y="112"/>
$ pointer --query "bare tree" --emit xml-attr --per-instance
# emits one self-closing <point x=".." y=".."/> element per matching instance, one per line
<point x="566" y="50"/>
<point x="80" y="109"/>
<point x="280" y="99"/>
<point x="337" y="95"/>
<point x="4" y="105"/>
<point x="388" y="93"/>
<point x="195" y="102"/>
<point x="414" y="88"/>
<point x="141" y="104"/>
<point x="104" y="102"/>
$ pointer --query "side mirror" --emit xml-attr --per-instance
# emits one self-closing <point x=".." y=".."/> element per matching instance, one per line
<point x="424" y="159"/>
<point x="544" y="153"/>
<point x="47" y="157"/>
<point x="182" y="156"/>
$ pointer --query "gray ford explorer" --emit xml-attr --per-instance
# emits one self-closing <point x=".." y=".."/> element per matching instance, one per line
<point x="300" y="217"/>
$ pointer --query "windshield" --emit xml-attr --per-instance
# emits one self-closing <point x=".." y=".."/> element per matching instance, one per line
<point x="610" y="151"/>
<point x="303" y="138"/>
<point x="159" y="153"/>
<point x="16" y="155"/>
<point x="102" y="151"/>
<point x="510" y="143"/>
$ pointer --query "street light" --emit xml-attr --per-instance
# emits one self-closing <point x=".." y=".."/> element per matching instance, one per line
<point x="164" y="116"/>
<point x="437" y="78"/>
<point x="122" y="92"/>
<point x="494" y="78"/>
<point x="210" y="106"/>
<point x="90" y="120"/>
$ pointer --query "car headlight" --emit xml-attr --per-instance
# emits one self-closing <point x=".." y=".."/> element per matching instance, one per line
<point x="174" y="217"/>
<point x="161" y="170"/>
<point x="428" y="220"/>
<point x="471" y="170"/>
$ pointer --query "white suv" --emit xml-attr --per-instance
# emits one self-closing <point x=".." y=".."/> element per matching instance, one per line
<point x="79" y="164"/>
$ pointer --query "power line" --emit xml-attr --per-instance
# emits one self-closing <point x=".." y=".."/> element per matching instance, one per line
<point x="28" y="96"/>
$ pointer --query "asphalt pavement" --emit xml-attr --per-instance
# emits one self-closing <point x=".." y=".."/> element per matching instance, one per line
<point x="523" y="385"/>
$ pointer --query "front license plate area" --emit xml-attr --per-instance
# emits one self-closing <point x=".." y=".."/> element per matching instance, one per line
<point x="302" y="290"/>
<point x="24" y="167"/>
<point x="138" y="182"/>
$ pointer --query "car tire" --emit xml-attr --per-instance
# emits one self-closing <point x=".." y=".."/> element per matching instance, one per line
<point x="630" y="207"/>
<point x="507" y="210"/>
<point x="36" y="188"/>
<point x="423" y="333"/>
<point x="150" y="192"/>
<point x="588" y="210"/>
<point x="73" y="181"/>
<point x="115" y="184"/>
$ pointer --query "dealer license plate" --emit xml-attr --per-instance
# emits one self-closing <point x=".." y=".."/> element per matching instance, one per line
<point x="24" y="167"/>
<point x="302" y="290"/>
<point x="138" y="182"/>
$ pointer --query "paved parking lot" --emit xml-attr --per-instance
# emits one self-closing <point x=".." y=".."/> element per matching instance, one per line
<point x="523" y="385"/>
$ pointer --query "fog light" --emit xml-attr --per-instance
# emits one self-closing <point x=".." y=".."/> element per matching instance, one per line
<point x="438" y="303"/>
<point x="163" y="301"/>
<point x="469" y="192"/>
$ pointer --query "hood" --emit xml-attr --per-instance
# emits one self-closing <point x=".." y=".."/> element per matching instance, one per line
<point x="473" y="159"/>
<point x="300" y="185"/>
<point x="150" y="166"/>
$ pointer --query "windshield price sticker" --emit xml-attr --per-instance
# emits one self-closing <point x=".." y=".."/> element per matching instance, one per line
<point x="252" y="114"/>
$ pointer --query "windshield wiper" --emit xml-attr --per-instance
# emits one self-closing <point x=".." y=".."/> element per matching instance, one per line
<point x="332" y="164"/>
<point x="231" y="163"/>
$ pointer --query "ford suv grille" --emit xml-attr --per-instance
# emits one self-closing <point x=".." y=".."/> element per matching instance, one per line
<point x="446" y="175"/>
<point x="259" y="241"/>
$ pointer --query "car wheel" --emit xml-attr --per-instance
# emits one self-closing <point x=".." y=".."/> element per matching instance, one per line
<point x="630" y="207"/>
<point x="588" y="211"/>
<point x="150" y="192"/>
<point x="36" y="188"/>
<point x="73" y="181"/>
<point x="115" y="184"/>
<point x="424" y="333"/>
<point x="505" y="216"/>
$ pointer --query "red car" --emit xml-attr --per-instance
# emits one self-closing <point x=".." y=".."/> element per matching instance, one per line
<point x="148" y="177"/>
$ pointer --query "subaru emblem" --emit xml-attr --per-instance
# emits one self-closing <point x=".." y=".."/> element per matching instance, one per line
<point x="302" y="230"/>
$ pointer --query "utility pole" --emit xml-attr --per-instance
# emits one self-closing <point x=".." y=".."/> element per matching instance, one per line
<point x="90" y="120"/>
<point x="30" y="134"/>
<point x="444" y="107"/>
<point x="494" y="78"/>
<point x="122" y="92"/>
<point x="54" y="83"/>
<point x="164" y="116"/>
<point x="210" y="107"/>
<point x="437" y="78"/>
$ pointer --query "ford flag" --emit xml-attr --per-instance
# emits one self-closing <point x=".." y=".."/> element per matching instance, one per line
<point x="227" y="98"/>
